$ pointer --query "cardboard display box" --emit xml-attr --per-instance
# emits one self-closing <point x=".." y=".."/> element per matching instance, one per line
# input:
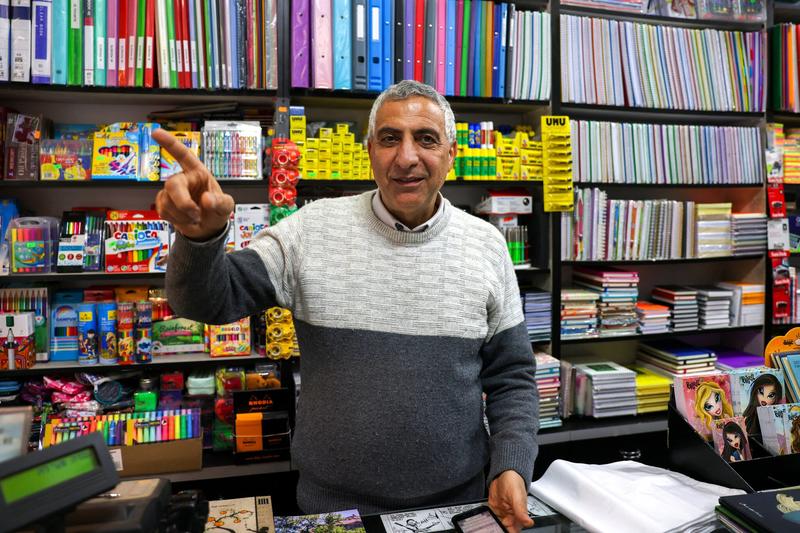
<point x="158" y="457"/>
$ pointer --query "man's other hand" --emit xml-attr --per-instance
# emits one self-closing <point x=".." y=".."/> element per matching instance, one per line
<point x="191" y="200"/>
<point x="508" y="498"/>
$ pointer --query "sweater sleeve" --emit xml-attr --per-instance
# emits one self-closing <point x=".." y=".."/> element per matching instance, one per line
<point x="508" y="379"/>
<point x="208" y="285"/>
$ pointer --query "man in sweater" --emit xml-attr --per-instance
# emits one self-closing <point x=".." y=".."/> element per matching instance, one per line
<point x="406" y="310"/>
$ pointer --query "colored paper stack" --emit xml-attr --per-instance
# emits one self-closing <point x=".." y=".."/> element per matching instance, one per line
<point x="604" y="389"/>
<point x="548" y="381"/>
<point x="536" y="306"/>
<point x="715" y="306"/>
<point x="618" y="291"/>
<point x="578" y="313"/>
<point x="652" y="390"/>
<point x="713" y="237"/>
<point x="791" y="156"/>
<point x="683" y="304"/>
<point x="749" y="233"/>
<point x="731" y="359"/>
<point x="675" y="358"/>
<point x="747" y="304"/>
<point x="653" y="318"/>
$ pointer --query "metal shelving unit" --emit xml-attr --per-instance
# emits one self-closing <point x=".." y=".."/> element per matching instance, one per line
<point x="657" y="336"/>
<point x="644" y="262"/>
<point x="578" y="429"/>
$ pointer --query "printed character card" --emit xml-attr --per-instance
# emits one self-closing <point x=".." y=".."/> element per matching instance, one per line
<point x="703" y="399"/>
<point x="752" y="388"/>
<point x="730" y="439"/>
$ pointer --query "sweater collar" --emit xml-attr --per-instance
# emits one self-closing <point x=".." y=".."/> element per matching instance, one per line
<point x="380" y="210"/>
<point x="436" y="224"/>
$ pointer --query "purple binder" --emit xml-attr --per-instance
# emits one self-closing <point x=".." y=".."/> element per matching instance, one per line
<point x="408" y="51"/>
<point x="301" y="43"/>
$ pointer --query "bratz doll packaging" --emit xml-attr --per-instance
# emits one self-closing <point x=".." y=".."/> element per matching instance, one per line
<point x="772" y="421"/>
<point x="703" y="399"/>
<point x="730" y="439"/>
<point x="752" y="388"/>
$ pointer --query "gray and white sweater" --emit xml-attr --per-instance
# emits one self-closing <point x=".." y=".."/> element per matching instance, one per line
<point x="399" y="334"/>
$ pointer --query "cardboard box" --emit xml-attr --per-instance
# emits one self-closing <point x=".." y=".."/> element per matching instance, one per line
<point x="506" y="204"/>
<point x="158" y="457"/>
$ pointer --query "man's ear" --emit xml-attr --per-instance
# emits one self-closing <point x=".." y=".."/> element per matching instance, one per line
<point x="452" y="153"/>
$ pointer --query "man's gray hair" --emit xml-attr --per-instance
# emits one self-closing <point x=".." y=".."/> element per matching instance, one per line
<point x="406" y="89"/>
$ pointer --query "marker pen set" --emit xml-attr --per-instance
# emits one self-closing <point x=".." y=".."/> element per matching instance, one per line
<point x="517" y="242"/>
<point x="33" y="242"/>
<point x="232" y="150"/>
<point x="136" y="241"/>
<point x="126" y="429"/>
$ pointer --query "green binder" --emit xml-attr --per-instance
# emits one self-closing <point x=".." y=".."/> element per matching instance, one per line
<point x="75" y="43"/>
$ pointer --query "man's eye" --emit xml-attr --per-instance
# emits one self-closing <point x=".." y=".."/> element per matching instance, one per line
<point x="428" y="140"/>
<point x="388" y="139"/>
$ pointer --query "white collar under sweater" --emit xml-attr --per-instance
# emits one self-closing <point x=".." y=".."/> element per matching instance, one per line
<point x="390" y="220"/>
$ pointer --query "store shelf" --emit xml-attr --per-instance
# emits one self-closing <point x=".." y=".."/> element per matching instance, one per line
<point x="118" y="184"/>
<point x="657" y="19"/>
<point x="131" y="95"/>
<point x="657" y="336"/>
<point x="363" y="100"/>
<point x="748" y="257"/>
<point x="659" y="116"/>
<point x="220" y="465"/>
<point x="604" y="185"/>
<point x="195" y="359"/>
<point x="577" y="429"/>
<point x="784" y="117"/>
<point x="79" y="276"/>
<point x="786" y="12"/>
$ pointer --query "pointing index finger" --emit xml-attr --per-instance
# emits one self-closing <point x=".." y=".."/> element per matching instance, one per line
<point x="185" y="158"/>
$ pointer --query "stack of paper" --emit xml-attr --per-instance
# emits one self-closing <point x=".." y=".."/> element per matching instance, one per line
<point x="731" y="359"/>
<point x="578" y="313"/>
<point x="683" y="304"/>
<point x="653" y="318"/>
<point x="713" y="237"/>
<point x="536" y="305"/>
<point x="715" y="306"/>
<point x="675" y="358"/>
<point x="749" y="233"/>
<point x="620" y="63"/>
<point x="611" y="152"/>
<point x="548" y="381"/>
<point x="791" y="156"/>
<point x="618" y="291"/>
<point x="604" y="389"/>
<point x="652" y="390"/>
<point x="747" y="303"/>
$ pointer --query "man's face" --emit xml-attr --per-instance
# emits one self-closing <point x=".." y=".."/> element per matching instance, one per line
<point x="410" y="156"/>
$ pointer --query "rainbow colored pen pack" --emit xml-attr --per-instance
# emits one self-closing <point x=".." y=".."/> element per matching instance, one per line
<point x="64" y="325"/>
<point x="169" y="166"/>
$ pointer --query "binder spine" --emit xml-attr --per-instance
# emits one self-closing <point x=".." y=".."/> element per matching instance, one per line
<point x="42" y="31"/>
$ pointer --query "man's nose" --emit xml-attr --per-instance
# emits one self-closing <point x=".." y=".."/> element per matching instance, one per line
<point x="407" y="155"/>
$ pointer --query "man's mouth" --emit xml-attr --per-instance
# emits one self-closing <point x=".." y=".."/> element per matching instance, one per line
<point x="408" y="179"/>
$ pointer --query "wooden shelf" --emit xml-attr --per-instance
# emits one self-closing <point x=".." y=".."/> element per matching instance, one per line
<point x="194" y="358"/>
<point x="748" y="257"/>
<point x="132" y="95"/>
<point x="737" y="25"/>
<point x="660" y="116"/>
<point x="605" y="185"/>
<point x="577" y="429"/>
<point x="220" y="465"/>
<point x="656" y="336"/>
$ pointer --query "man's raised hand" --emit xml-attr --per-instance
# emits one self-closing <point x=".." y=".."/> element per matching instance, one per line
<point x="191" y="200"/>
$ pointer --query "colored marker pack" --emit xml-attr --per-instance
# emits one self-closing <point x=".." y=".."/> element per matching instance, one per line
<point x="34" y="300"/>
<point x="249" y="219"/>
<point x="33" y="243"/>
<point x="169" y="166"/>
<point x="136" y="241"/>
<point x="71" y="242"/>
<point x="64" y="325"/>
<point x="230" y="339"/>
<point x="126" y="429"/>
<point x="126" y="151"/>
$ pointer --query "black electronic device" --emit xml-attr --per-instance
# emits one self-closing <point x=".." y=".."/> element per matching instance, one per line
<point x="48" y="483"/>
<point x="478" y="520"/>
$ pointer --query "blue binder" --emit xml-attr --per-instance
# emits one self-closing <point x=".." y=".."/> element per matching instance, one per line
<point x="233" y="42"/>
<point x="496" y="52"/>
<point x="501" y="91"/>
<point x="387" y="35"/>
<point x="58" y="45"/>
<point x="450" y="50"/>
<point x="342" y="44"/>
<point x="375" y="46"/>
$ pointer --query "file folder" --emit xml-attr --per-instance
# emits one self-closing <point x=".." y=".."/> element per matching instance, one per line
<point x="321" y="56"/>
<point x="360" y="45"/>
<point x="301" y="44"/>
<point x="450" y="49"/>
<point x="387" y="37"/>
<point x="375" y="46"/>
<point x="343" y="46"/>
<point x="429" y="57"/>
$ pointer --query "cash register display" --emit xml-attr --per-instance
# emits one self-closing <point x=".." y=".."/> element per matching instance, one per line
<point x="46" y="475"/>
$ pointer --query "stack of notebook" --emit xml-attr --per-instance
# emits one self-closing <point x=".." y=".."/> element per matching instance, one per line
<point x="730" y="359"/>
<point x="653" y="318"/>
<point x="604" y="389"/>
<point x="618" y="291"/>
<point x="536" y="307"/>
<point x="652" y="390"/>
<point x="713" y="230"/>
<point x="683" y="304"/>
<point x="747" y="304"/>
<point x="715" y="306"/>
<point x="675" y="358"/>
<point x="749" y="233"/>
<point x="548" y="381"/>
<point x="578" y="313"/>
